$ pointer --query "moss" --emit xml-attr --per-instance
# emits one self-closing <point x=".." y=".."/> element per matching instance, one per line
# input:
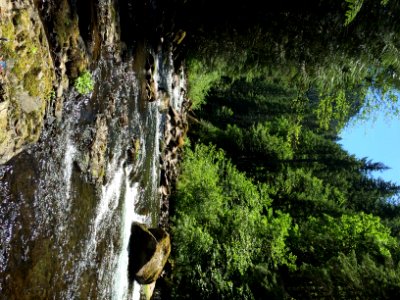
<point x="64" y="24"/>
<point x="28" y="81"/>
<point x="32" y="130"/>
<point x="137" y="149"/>
<point x="147" y="290"/>
<point x="3" y="122"/>
<point x="22" y="19"/>
<point x="29" y="53"/>
<point x="31" y="83"/>
<point x="7" y="31"/>
<point x="39" y="277"/>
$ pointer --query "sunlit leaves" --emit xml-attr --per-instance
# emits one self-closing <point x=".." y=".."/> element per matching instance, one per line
<point x="223" y="227"/>
<point x="362" y="233"/>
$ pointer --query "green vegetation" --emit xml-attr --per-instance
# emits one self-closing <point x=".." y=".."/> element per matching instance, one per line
<point x="268" y="205"/>
<point x="354" y="6"/>
<point x="282" y="211"/>
<point x="224" y="229"/>
<point x="84" y="83"/>
<point x="340" y="63"/>
<point x="201" y="80"/>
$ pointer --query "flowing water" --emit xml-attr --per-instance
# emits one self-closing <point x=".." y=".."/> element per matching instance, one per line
<point x="65" y="214"/>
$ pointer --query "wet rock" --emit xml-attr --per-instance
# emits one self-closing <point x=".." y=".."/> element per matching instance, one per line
<point x="133" y="150"/>
<point x="165" y="100"/>
<point x="176" y="127"/>
<point x="124" y="120"/>
<point x="179" y="36"/>
<point x="151" y="83"/>
<point x="98" y="150"/>
<point x="151" y="90"/>
<point x="148" y="253"/>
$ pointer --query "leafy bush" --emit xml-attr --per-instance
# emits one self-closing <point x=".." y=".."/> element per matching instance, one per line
<point x="223" y="229"/>
<point x="84" y="83"/>
<point x="202" y="76"/>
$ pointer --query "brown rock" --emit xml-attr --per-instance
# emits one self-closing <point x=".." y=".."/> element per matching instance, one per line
<point x="148" y="252"/>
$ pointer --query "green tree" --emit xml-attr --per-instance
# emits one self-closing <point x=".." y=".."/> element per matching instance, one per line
<point x="224" y="228"/>
<point x="290" y="214"/>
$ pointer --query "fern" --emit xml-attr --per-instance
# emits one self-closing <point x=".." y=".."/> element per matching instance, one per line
<point x="354" y="7"/>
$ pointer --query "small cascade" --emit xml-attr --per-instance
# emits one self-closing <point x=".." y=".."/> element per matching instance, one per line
<point x="136" y="193"/>
<point x="121" y="284"/>
<point x="67" y="203"/>
<point x="67" y="164"/>
<point x="172" y="81"/>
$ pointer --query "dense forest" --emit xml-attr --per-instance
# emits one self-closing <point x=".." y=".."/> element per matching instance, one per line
<point x="268" y="204"/>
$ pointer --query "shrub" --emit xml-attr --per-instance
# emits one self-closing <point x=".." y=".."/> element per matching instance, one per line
<point x="223" y="228"/>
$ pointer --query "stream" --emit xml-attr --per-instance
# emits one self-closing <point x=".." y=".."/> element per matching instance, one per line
<point x="68" y="201"/>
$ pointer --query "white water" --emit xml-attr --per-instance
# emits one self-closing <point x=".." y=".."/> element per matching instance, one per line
<point x="156" y="155"/>
<point x="64" y="203"/>
<point x="121" y="192"/>
<point x="177" y="93"/>
<point x="68" y="164"/>
<point x="81" y="230"/>
<point x="120" y="283"/>
<point x="109" y="200"/>
<point x="120" y="289"/>
<point x="175" y="83"/>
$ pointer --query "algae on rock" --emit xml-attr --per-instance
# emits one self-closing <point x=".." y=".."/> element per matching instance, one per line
<point x="28" y="81"/>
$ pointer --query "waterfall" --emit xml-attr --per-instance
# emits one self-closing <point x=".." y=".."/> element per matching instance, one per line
<point x="120" y="284"/>
<point x="68" y="161"/>
<point x="67" y="229"/>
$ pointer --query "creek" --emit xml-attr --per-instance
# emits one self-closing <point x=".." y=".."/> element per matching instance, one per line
<point x="68" y="201"/>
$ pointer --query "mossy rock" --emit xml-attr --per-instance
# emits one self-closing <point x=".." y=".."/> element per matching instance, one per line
<point x="97" y="161"/>
<point x="27" y="84"/>
<point x="149" y="250"/>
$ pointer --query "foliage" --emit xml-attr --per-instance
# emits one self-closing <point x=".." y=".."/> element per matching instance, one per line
<point x="282" y="211"/>
<point x="201" y="77"/>
<point x="223" y="228"/>
<point x="307" y="48"/>
<point x="84" y="83"/>
<point x="328" y="236"/>
<point x="354" y="7"/>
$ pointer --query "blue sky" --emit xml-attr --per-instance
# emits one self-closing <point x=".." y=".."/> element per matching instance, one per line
<point x="378" y="139"/>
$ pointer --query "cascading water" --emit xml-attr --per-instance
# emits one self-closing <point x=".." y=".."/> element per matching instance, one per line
<point x="64" y="233"/>
<point x="67" y="203"/>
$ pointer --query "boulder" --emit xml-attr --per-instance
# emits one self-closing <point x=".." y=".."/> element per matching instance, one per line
<point x="148" y="252"/>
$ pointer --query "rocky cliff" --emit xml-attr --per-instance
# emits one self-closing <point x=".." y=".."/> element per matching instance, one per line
<point x="46" y="46"/>
<point x="26" y="84"/>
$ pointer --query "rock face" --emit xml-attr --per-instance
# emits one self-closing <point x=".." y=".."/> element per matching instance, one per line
<point x="148" y="252"/>
<point x="46" y="46"/>
<point x="28" y="81"/>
